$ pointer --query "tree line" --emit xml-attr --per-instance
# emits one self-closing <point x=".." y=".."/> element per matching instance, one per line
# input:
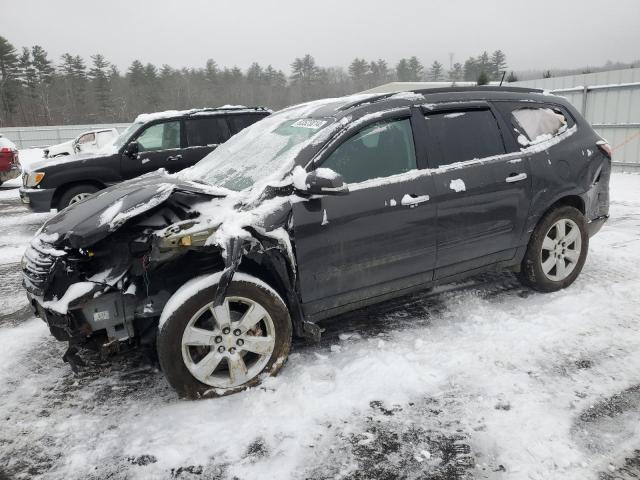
<point x="35" y="90"/>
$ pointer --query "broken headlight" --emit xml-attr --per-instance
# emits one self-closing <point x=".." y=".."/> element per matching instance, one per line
<point x="184" y="235"/>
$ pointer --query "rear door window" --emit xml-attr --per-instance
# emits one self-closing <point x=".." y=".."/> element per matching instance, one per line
<point x="206" y="131"/>
<point x="379" y="150"/>
<point x="463" y="135"/>
<point x="538" y="124"/>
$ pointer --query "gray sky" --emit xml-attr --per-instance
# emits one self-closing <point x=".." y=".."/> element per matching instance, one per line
<point x="536" y="34"/>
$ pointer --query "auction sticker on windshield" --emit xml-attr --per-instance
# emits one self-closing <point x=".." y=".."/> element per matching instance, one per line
<point x="309" y="123"/>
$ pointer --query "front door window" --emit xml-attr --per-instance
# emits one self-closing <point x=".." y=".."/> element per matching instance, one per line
<point x="161" y="136"/>
<point x="379" y="150"/>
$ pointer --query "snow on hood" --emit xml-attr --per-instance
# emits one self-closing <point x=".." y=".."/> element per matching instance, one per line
<point x="61" y="147"/>
<point x="87" y="222"/>
<point x="78" y="158"/>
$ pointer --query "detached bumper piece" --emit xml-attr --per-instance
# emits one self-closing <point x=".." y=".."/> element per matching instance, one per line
<point x="596" y="224"/>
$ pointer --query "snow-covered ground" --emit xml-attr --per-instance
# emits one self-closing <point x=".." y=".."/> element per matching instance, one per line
<point x="483" y="379"/>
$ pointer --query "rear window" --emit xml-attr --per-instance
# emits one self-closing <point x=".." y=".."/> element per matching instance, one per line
<point x="240" y="122"/>
<point x="206" y="131"/>
<point x="464" y="135"/>
<point x="538" y="124"/>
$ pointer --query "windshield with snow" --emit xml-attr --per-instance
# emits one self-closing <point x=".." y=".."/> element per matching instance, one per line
<point x="266" y="148"/>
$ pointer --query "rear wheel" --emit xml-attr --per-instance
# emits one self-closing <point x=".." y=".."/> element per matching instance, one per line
<point x="209" y="351"/>
<point x="557" y="250"/>
<point x="76" y="194"/>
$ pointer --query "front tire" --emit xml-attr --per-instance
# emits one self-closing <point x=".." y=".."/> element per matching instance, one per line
<point x="207" y="351"/>
<point x="557" y="250"/>
<point x="76" y="194"/>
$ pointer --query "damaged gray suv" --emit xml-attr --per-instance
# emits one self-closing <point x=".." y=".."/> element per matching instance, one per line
<point x="316" y="210"/>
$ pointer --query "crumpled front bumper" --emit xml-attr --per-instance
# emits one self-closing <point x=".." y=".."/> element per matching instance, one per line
<point x="111" y="312"/>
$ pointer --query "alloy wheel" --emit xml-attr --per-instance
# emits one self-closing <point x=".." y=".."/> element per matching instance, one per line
<point x="79" y="197"/>
<point x="561" y="249"/>
<point x="228" y="345"/>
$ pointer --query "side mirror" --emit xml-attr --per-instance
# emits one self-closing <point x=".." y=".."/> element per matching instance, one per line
<point x="324" y="181"/>
<point x="132" y="149"/>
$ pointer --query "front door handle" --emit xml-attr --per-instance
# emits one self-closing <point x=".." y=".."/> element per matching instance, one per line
<point x="412" y="200"/>
<point x="175" y="157"/>
<point x="516" y="177"/>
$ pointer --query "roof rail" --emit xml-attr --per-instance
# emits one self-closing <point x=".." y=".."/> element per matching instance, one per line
<point x="482" y="88"/>
<point x="363" y="101"/>
<point x="426" y="91"/>
<point x="229" y="108"/>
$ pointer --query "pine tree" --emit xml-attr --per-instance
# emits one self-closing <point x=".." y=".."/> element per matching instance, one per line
<point x="99" y="75"/>
<point x="483" y="78"/>
<point x="378" y="73"/>
<point x="211" y="71"/>
<point x="305" y="75"/>
<point x="358" y="71"/>
<point x="471" y="69"/>
<point x="498" y="64"/>
<point x="9" y="85"/>
<point x="435" y="72"/>
<point x="456" y="73"/>
<point x="135" y="73"/>
<point x="484" y="63"/>
<point x="29" y="92"/>
<point x="403" y="72"/>
<point x="416" y="69"/>
<point x="512" y="77"/>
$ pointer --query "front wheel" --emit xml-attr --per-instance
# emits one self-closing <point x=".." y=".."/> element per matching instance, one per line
<point x="76" y="194"/>
<point x="557" y="250"/>
<point x="209" y="351"/>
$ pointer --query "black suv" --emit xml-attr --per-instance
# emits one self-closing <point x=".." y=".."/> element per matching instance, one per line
<point x="171" y="140"/>
<point x="319" y="209"/>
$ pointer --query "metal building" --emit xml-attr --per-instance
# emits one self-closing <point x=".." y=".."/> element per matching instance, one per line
<point x="610" y="101"/>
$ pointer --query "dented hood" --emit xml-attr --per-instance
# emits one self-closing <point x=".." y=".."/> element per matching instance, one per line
<point x="89" y="221"/>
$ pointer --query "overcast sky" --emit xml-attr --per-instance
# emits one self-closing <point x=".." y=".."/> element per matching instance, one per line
<point x="534" y="34"/>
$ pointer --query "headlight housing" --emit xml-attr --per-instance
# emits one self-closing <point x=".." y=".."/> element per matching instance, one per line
<point x="32" y="179"/>
<point x="183" y="235"/>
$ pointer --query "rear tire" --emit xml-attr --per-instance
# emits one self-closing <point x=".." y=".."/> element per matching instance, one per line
<point x="205" y="352"/>
<point x="76" y="194"/>
<point x="557" y="250"/>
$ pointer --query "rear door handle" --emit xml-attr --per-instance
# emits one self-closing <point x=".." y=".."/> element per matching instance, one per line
<point x="412" y="200"/>
<point x="176" y="157"/>
<point x="516" y="177"/>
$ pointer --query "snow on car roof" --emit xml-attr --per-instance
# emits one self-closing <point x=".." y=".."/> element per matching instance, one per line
<point x="6" y="143"/>
<point x="149" y="117"/>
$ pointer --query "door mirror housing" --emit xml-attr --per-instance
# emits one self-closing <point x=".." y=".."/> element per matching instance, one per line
<point x="324" y="181"/>
<point x="132" y="149"/>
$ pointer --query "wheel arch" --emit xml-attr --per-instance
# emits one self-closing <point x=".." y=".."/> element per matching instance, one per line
<point x="569" y="199"/>
<point x="273" y="268"/>
<point x="572" y="200"/>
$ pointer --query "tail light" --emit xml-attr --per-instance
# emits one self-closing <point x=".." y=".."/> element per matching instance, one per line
<point x="7" y="158"/>
<point x="605" y="148"/>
